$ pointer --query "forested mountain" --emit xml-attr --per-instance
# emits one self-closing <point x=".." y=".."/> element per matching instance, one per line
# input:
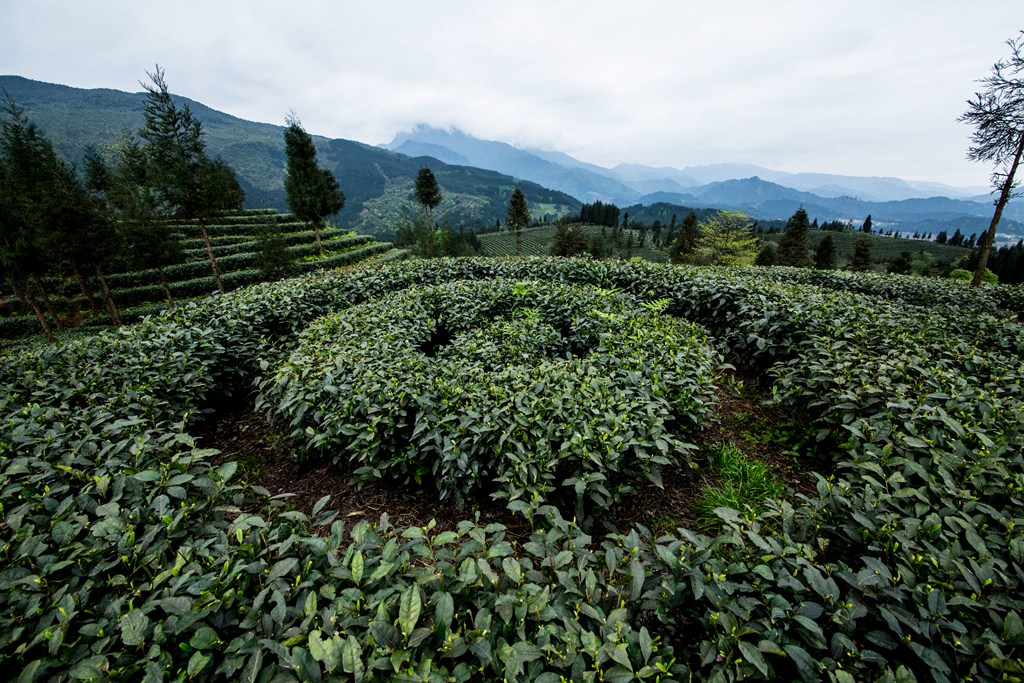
<point x="477" y="176"/>
<point x="378" y="184"/>
<point x="907" y="206"/>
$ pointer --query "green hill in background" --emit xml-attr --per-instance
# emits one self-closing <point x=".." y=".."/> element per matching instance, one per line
<point x="377" y="183"/>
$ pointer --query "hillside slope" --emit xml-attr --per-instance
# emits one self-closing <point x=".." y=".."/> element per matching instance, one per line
<point x="377" y="183"/>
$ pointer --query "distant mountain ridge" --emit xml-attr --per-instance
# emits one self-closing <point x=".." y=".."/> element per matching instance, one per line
<point x="478" y="176"/>
<point x="378" y="184"/>
<point x="909" y="206"/>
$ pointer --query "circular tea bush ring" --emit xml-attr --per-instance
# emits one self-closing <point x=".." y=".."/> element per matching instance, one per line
<point x="519" y="389"/>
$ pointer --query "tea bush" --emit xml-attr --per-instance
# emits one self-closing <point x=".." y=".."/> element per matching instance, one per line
<point x="542" y="391"/>
<point x="125" y="554"/>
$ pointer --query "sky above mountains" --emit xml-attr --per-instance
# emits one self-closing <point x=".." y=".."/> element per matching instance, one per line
<point x="857" y="88"/>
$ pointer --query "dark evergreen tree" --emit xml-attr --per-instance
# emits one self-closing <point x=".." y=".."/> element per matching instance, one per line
<point x="685" y="245"/>
<point x="186" y="181"/>
<point x="428" y="193"/>
<point x="272" y="256"/>
<point x="866" y="228"/>
<point x="861" y="259"/>
<point x="569" y="241"/>
<point x="313" y="192"/>
<point x="119" y="183"/>
<point x="767" y="255"/>
<point x="902" y="264"/>
<point x="518" y="214"/>
<point x="51" y="224"/>
<point x="825" y="254"/>
<point x="956" y="240"/>
<point x="942" y="237"/>
<point x="793" y="249"/>
<point x="518" y="217"/>
<point x="23" y="179"/>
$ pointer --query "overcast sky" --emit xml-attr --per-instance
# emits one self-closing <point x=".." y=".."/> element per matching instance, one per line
<point x="865" y="87"/>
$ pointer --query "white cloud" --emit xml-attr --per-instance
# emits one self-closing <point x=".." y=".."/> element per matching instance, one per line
<point x="868" y="88"/>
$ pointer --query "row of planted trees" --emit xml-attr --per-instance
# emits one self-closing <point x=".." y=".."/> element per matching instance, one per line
<point x="55" y="221"/>
<point x="117" y="213"/>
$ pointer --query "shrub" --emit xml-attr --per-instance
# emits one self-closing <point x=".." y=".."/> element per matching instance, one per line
<point x="545" y="390"/>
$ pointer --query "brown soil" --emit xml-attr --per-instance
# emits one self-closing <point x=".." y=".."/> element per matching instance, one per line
<point x="265" y="461"/>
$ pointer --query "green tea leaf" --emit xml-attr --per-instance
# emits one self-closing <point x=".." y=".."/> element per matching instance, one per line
<point x="409" y="610"/>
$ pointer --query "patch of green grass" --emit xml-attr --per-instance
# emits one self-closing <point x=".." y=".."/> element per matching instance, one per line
<point x="741" y="482"/>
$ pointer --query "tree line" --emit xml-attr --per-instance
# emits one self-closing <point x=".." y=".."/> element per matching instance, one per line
<point x="116" y="213"/>
<point x="424" y="238"/>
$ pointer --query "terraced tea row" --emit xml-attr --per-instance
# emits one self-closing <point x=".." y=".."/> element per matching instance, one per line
<point x="126" y="553"/>
<point x="235" y="243"/>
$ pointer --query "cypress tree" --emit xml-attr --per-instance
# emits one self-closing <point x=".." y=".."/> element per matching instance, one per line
<point x="683" y="249"/>
<point x="825" y="254"/>
<point x="518" y="214"/>
<point x="518" y="217"/>
<point x="793" y="249"/>
<point x="861" y="259"/>
<point x="313" y="192"/>
<point x="428" y="193"/>
<point x="186" y="181"/>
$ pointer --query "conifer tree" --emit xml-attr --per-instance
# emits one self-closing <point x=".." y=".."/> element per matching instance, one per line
<point x="313" y="192"/>
<point x="685" y="245"/>
<point x="866" y="228"/>
<point x="48" y="221"/>
<point x="861" y="259"/>
<point x="825" y="254"/>
<point x="997" y="115"/>
<point x="428" y="193"/>
<point x="186" y="181"/>
<point x="518" y="217"/>
<point x="767" y="256"/>
<point x="793" y="249"/>
<point x="118" y="181"/>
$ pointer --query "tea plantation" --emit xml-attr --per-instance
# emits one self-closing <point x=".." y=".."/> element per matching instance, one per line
<point x="129" y="553"/>
<point x="235" y="245"/>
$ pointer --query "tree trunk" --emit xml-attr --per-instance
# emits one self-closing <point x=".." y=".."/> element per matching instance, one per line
<point x="87" y="293"/>
<point x="21" y="291"/>
<point x="47" y="303"/>
<point x="115" y="315"/>
<point x="990" y="234"/>
<point x="166" y="286"/>
<point x="316" y="234"/>
<point x="209" y="254"/>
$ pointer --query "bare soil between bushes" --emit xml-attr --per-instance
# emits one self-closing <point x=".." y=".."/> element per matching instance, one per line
<point x="743" y="418"/>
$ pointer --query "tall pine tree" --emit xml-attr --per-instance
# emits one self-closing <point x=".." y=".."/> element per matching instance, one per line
<point x="313" y="192"/>
<point x="685" y="245"/>
<point x="187" y="183"/>
<point x="518" y="217"/>
<point x="428" y="193"/>
<point x="793" y="249"/>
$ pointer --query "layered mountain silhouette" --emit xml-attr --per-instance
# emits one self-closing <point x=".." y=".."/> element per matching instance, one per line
<point x="477" y="176"/>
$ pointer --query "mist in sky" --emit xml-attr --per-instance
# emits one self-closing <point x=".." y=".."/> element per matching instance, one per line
<point x="855" y="88"/>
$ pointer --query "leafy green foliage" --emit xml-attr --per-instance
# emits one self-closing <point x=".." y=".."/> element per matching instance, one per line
<point x="125" y="553"/>
<point x="536" y="391"/>
<point x="726" y="239"/>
